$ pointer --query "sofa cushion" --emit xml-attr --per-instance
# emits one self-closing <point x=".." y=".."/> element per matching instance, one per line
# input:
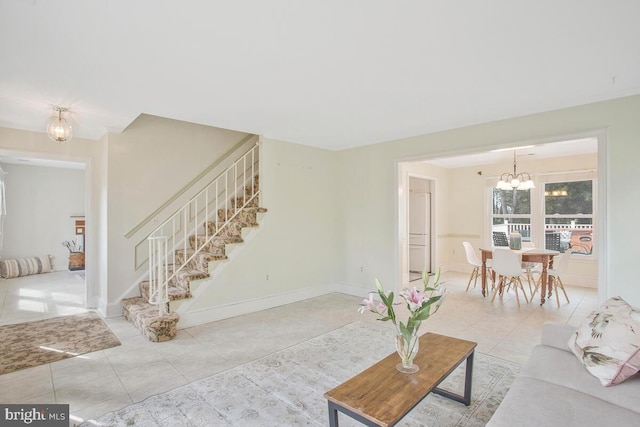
<point x="556" y="335"/>
<point x="10" y="268"/>
<point x="532" y="402"/>
<point x="608" y="342"/>
<point x="562" y="368"/>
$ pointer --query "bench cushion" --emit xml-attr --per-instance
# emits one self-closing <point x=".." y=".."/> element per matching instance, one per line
<point x="10" y="268"/>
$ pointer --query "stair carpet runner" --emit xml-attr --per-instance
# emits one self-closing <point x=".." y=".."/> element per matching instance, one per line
<point x="144" y="316"/>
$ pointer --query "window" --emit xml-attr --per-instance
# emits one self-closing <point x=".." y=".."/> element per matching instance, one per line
<point x="568" y="216"/>
<point x="511" y="212"/>
<point x="559" y="214"/>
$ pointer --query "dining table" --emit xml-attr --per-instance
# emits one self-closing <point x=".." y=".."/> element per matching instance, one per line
<point x="542" y="256"/>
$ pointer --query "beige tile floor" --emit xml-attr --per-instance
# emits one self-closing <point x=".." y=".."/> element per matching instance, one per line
<point x="107" y="380"/>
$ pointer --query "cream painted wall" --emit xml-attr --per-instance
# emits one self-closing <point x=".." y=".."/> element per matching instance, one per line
<point x="38" y="145"/>
<point x="40" y="202"/>
<point x="147" y="164"/>
<point x="372" y="176"/>
<point x="298" y="245"/>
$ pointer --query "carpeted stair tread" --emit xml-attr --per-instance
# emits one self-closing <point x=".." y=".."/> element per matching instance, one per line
<point x="145" y="317"/>
<point x="174" y="292"/>
<point x="231" y="229"/>
<point x="215" y="245"/>
<point x="187" y="274"/>
<point x="201" y="259"/>
<point x="229" y="213"/>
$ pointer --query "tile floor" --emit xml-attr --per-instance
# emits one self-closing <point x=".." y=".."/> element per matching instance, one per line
<point x="107" y="380"/>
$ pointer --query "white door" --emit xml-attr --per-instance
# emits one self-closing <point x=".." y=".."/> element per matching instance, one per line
<point x="418" y="213"/>
<point x="420" y="232"/>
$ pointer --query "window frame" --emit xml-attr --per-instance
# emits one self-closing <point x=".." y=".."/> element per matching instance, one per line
<point x="508" y="217"/>
<point x="538" y="215"/>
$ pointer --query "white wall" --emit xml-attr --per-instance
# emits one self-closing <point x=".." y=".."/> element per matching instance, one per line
<point x="40" y="202"/>
<point x="371" y="185"/>
<point x="299" y="243"/>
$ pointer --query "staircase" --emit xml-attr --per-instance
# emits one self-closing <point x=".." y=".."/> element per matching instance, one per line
<point x="178" y="261"/>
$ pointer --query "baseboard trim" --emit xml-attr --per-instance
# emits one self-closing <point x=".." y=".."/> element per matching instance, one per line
<point x="353" y="290"/>
<point x="199" y="317"/>
<point x="110" y="310"/>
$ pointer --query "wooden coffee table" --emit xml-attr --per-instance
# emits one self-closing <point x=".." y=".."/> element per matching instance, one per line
<point x="381" y="396"/>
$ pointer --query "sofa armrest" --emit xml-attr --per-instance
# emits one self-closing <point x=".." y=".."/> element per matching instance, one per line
<point x="556" y="335"/>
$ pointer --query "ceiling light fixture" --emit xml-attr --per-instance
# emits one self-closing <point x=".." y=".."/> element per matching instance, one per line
<point x="556" y="193"/>
<point x="515" y="180"/>
<point x="58" y="129"/>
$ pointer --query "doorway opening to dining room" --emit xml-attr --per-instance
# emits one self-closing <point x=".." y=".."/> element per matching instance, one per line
<point x="568" y="200"/>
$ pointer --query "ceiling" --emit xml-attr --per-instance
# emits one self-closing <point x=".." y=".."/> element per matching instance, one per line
<point x="327" y="73"/>
<point x="30" y="161"/>
<point x="573" y="147"/>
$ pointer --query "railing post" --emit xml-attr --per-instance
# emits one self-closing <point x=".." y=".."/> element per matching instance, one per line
<point x="158" y="288"/>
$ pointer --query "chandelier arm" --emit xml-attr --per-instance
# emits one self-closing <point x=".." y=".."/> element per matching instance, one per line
<point x="519" y="181"/>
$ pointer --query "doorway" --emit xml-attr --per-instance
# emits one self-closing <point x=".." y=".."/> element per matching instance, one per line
<point x="463" y="179"/>
<point x="46" y="205"/>
<point x="420" y="226"/>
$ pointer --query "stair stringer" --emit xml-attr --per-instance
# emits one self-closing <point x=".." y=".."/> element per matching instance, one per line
<point x="200" y="286"/>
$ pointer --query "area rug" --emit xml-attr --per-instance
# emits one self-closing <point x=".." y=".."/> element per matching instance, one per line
<point x="286" y="388"/>
<point x="24" y="345"/>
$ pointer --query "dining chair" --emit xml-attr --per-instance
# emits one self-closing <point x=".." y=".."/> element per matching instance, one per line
<point x="561" y="263"/>
<point x="507" y="266"/>
<point x="476" y="262"/>
<point x="500" y="238"/>
<point x="530" y="268"/>
<point x="552" y="240"/>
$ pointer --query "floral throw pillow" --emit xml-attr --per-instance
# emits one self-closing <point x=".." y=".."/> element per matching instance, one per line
<point x="608" y="343"/>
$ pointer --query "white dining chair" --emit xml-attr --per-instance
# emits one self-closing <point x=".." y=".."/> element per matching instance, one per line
<point x="530" y="268"/>
<point x="507" y="266"/>
<point x="561" y="263"/>
<point x="476" y="262"/>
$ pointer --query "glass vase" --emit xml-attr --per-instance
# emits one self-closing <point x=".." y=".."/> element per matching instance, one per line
<point x="407" y="350"/>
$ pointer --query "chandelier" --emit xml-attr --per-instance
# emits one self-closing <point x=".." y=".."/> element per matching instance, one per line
<point x="58" y="129"/>
<point x="515" y="180"/>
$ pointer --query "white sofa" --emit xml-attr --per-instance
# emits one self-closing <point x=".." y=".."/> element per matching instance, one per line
<point x="554" y="389"/>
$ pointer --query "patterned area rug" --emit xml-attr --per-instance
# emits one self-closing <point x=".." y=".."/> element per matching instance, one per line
<point x="24" y="345"/>
<point x="286" y="388"/>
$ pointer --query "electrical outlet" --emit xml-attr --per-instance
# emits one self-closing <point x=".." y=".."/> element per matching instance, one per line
<point x="361" y="269"/>
<point x="267" y="277"/>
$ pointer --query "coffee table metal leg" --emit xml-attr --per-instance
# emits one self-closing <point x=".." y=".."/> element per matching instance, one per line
<point x="466" y="398"/>
<point x="467" y="380"/>
<point x="333" y="415"/>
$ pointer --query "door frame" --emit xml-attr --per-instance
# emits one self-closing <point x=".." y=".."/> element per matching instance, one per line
<point x="403" y="223"/>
